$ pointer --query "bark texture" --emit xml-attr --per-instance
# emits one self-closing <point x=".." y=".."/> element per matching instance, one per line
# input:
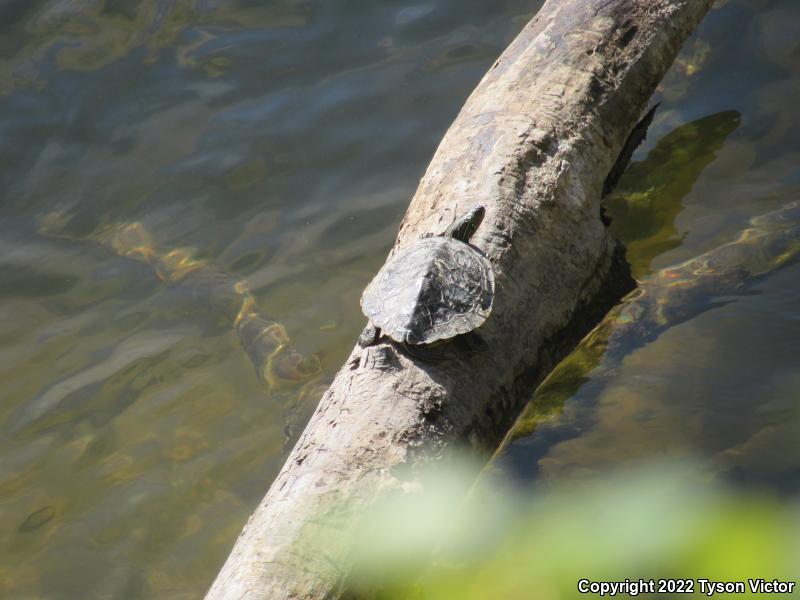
<point x="534" y="144"/>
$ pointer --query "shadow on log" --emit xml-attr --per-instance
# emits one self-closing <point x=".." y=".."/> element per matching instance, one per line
<point x="534" y="144"/>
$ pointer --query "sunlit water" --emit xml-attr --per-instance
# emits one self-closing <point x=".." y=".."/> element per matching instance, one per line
<point x="278" y="143"/>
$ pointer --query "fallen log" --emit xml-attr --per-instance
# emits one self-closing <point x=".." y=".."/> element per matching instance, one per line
<point x="534" y="144"/>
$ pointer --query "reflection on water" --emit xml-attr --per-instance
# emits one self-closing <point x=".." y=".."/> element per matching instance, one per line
<point x="665" y="299"/>
<point x="194" y="188"/>
<point x="691" y="369"/>
<point x="649" y="199"/>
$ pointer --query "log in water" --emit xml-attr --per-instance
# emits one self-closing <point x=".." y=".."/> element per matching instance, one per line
<point x="534" y="144"/>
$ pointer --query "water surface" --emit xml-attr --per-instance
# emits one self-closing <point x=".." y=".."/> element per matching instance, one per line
<point x="155" y="153"/>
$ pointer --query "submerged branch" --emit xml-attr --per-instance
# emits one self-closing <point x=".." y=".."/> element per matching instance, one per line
<point x="665" y="299"/>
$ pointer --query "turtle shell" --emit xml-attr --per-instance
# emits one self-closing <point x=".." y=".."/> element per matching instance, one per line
<point x="435" y="289"/>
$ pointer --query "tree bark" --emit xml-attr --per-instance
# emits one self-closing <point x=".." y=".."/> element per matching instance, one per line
<point x="534" y="144"/>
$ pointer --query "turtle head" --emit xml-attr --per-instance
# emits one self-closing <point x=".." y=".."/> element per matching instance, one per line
<point x="463" y="228"/>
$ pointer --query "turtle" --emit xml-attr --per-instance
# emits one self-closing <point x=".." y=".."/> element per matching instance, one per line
<point x="438" y="288"/>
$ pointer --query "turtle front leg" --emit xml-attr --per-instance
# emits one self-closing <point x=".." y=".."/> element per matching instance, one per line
<point x="369" y="336"/>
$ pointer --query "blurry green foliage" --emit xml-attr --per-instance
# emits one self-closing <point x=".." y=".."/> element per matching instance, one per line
<point x="662" y="521"/>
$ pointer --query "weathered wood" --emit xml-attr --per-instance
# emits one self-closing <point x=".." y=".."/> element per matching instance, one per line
<point x="534" y="143"/>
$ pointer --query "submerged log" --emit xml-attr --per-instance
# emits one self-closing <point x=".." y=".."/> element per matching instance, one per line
<point x="285" y="374"/>
<point x="667" y="298"/>
<point x="534" y="144"/>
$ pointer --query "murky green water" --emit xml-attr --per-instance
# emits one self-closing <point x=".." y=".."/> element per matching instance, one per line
<point x="155" y="154"/>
